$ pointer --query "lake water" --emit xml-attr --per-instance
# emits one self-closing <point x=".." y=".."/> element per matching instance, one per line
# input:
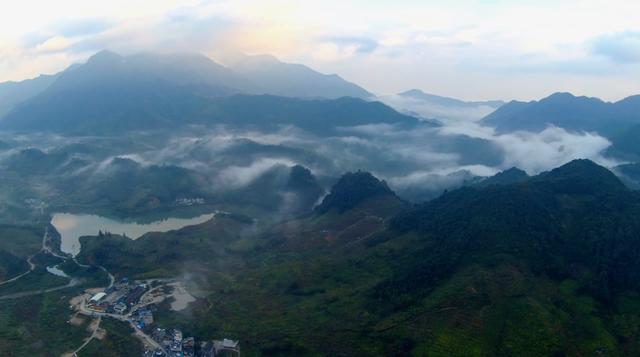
<point x="73" y="226"/>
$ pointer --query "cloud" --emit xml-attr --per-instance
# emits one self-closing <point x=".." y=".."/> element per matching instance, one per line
<point x="353" y="44"/>
<point x="82" y="27"/>
<point x="430" y="110"/>
<point x="452" y="48"/>
<point x="623" y="47"/>
<point x="54" y="44"/>
<point x="536" y="152"/>
<point x="234" y="177"/>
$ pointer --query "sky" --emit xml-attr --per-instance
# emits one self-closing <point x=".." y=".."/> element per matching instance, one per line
<point x="491" y="49"/>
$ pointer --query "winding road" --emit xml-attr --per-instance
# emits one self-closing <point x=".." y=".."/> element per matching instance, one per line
<point x="146" y="339"/>
<point x="86" y="342"/>
<point x="32" y="266"/>
<point x="73" y="282"/>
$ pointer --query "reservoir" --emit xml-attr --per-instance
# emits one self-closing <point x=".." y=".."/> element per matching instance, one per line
<point x="73" y="226"/>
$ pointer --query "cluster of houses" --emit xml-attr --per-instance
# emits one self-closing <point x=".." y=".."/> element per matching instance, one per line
<point x="117" y="299"/>
<point x="123" y="299"/>
<point x="142" y="318"/>
<point x="175" y="345"/>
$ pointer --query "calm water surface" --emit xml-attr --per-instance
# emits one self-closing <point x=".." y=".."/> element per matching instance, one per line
<point x="73" y="226"/>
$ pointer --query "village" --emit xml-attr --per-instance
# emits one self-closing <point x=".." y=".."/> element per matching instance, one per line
<point x="134" y="302"/>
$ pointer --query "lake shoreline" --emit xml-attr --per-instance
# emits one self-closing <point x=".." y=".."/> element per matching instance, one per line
<point x="72" y="226"/>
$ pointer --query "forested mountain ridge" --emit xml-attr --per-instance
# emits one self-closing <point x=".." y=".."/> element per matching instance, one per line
<point x="569" y="112"/>
<point x="472" y="270"/>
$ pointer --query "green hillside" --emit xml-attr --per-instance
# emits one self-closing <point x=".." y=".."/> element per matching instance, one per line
<point x="543" y="266"/>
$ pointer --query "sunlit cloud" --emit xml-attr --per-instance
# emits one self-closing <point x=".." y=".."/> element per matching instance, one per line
<point x="524" y="49"/>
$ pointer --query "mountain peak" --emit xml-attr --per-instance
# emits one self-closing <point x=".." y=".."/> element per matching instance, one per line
<point x="561" y="95"/>
<point x="412" y="93"/>
<point x="561" y="110"/>
<point x="581" y="176"/>
<point x="301" y="177"/>
<point x="566" y="97"/>
<point x="352" y="189"/>
<point x="105" y="56"/>
<point x="506" y="177"/>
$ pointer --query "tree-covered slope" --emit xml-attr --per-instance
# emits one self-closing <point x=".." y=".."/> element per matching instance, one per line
<point x="537" y="266"/>
<point x="546" y="266"/>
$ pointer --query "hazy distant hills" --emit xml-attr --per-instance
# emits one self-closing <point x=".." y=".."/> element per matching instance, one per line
<point x="272" y="76"/>
<point x="111" y="93"/>
<point x="190" y="72"/>
<point x="626" y="144"/>
<point x="419" y="103"/>
<point x="447" y="101"/>
<point x="13" y="93"/>
<point x="567" y="111"/>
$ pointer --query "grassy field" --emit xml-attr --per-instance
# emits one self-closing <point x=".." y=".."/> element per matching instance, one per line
<point x="118" y="341"/>
<point x="37" y="325"/>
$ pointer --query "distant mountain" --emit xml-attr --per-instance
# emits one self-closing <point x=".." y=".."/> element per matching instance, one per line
<point x="426" y="105"/>
<point x="569" y="112"/>
<point x="112" y="93"/>
<point x="135" y="106"/>
<point x="446" y="101"/>
<point x="629" y="174"/>
<point x="506" y="177"/>
<point x="275" y="77"/>
<point x="14" y="93"/>
<point x="321" y="116"/>
<point x="193" y="71"/>
<point x="302" y="189"/>
<point x="281" y="192"/>
<point x="625" y="144"/>
<point x="352" y="189"/>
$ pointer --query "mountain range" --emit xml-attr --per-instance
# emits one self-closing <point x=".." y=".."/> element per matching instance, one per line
<point x="341" y="225"/>
<point x="248" y="75"/>
<point x="14" y="93"/>
<point x="569" y="112"/>
<point x="111" y="93"/>
<point x="431" y="106"/>
<point x="275" y="77"/>
<point x="526" y="266"/>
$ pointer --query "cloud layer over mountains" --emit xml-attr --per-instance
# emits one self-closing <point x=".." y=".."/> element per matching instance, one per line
<point x="189" y="112"/>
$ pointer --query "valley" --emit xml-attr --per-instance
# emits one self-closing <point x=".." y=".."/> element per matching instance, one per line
<point x="156" y="204"/>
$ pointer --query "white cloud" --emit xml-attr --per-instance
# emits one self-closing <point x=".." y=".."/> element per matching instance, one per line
<point x="240" y="176"/>
<point x="459" y="48"/>
<point x="536" y="152"/>
<point x="54" y="44"/>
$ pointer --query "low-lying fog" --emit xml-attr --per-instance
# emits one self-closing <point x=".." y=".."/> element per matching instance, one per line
<point x="418" y="163"/>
